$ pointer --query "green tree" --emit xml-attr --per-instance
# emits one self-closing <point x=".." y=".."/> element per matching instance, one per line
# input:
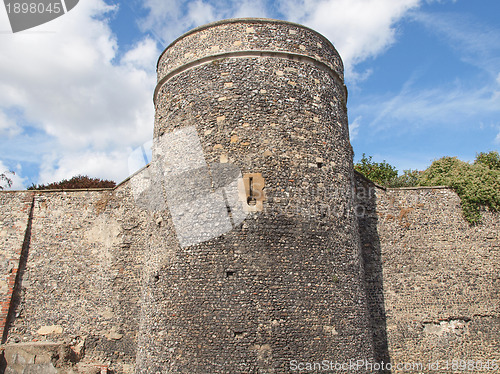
<point x="378" y="172"/>
<point x="409" y="178"/>
<point x="477" y="184"/>
<point x="78" y="182"/>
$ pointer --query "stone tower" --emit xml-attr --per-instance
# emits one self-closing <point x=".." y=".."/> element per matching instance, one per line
<point x="255" y="266"/>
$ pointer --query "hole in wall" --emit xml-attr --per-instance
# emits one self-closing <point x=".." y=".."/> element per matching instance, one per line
<point x="230" y="273"/>
<point x="238" y="334"/>
<point x="251" y="200"/>
<point x="319" y="164"/>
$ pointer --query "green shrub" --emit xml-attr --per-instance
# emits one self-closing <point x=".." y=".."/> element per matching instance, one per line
<point x="490" y="159"/>
<point x="410" y="178"/>
<point x="477" y="184"/>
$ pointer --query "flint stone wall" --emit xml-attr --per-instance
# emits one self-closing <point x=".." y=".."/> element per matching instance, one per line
<point x="432" y="279"/>
<point x="285" y="284"/>
<point x="82" y="282"/>
<point x="101" y="275"/>
<point x="15" y="209"/>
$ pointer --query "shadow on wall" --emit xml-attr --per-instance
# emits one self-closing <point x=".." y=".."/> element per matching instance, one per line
<point x="16" y="291"/>
<point x="371" y="252"/>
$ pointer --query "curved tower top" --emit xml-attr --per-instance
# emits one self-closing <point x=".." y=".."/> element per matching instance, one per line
<point x="247" y="37"/>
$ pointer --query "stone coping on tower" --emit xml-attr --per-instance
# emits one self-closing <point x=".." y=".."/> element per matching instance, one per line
<point x="251" y="36"/>
<point x="247" y="20"/>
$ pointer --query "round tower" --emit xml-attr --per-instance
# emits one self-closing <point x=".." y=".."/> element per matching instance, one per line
<point x="258" y="264"/>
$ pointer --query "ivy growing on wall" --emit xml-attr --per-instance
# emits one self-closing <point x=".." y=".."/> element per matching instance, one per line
<point x="477" y="184"/>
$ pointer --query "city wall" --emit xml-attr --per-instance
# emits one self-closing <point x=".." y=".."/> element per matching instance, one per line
<point x="78" y="291"/>
<point x="432" y="280"/>
<point x="320" y="264"/>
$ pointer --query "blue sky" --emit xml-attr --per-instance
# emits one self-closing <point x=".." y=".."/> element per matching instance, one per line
<point x="76" y="93"/>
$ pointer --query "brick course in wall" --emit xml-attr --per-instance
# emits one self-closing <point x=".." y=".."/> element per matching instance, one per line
<point x="14" y="232"/>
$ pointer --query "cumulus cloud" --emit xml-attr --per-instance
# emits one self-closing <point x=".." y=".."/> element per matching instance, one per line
<point x="8" y="126"/>
<point x="142" y="56"/>
<point x="359" y="29"/>
<point x="90" y="102"/>
<point x="105" y="164"/>
<point x="68" y="81"/>
<point x="171" y="18"/>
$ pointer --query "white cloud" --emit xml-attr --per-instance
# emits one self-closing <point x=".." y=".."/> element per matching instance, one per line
<point x="354" y="128"/>
<point x="428" y="107"/>
<point x="142" y="56"/>
<point x="68" y="81"/>
<point x="171" y="18"/>
<point x="359" y="29"/>
<point x="248" y="8"/>
<point x="8" y="126"/>
<point x="105" y="165"/>
<point x="200" y="12"/>
<point x="65" y="79"/>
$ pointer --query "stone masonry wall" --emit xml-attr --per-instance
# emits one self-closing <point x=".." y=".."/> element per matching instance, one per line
<point x="440" y="298"/>
<point x="329" y="266"/>
<point x="237" y="35"/>
<point x="82" y="282"/>
<point x="15" y="208"/>
<point x="284" y="286"/>
<point x="432" y="280"/>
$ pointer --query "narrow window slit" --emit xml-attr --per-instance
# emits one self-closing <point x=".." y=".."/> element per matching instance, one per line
<point x="251" y="200"/>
